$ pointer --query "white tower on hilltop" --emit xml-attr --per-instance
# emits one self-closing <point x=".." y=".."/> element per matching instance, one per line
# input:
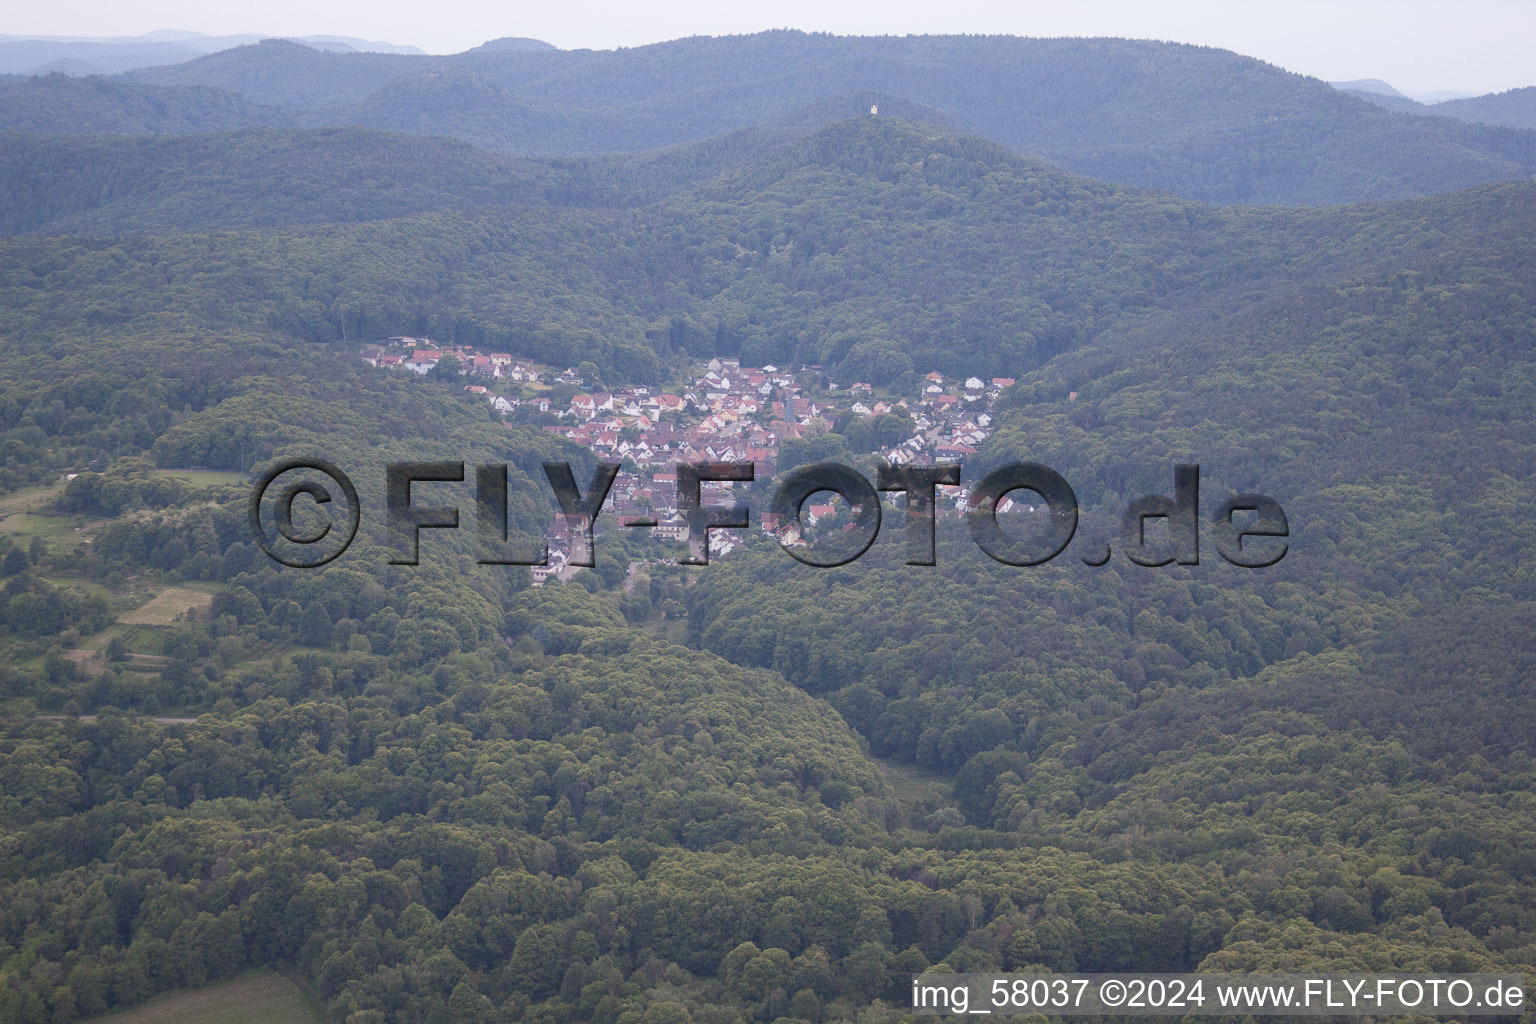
<point x="874" y="110"/>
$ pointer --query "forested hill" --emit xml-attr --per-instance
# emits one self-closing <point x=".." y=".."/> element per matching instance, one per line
<point x="107" y="185"/>
<point x="62" y="104"/>
<point x="1203" y="123"/>
<point x="872" y="245"/>
<point x="1514" y="108"/>
<point x="280" y="72"/>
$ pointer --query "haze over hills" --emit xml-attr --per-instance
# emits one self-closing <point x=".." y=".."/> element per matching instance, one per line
<point x="1515" y="108"/>
<point x="98" y="55"/>
<point x="1203" y="123"/>
<point x="1375" y="86"/>
<point x="1163" y="115"/>
<point x="279" y="72"/>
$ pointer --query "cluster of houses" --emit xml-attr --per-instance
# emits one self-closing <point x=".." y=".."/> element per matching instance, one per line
<point x="743" y="413"/>
<point x="726" y="413"/>
<point x="952" y="418"/>
<point x="420" y="355"/>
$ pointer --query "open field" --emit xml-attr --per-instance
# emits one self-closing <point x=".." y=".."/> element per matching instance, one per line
<point x="28" y="524"/>
<point x="254" y="999"/>
<point x="166" y="607"/>
<point x="18" y="514"/>
<point x="30" y="499"/>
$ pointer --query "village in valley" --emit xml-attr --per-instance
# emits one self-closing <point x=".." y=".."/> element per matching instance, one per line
<point x="721" y="411"/>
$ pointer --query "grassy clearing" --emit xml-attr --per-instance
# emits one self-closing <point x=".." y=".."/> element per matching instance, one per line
<point x="91" y="662"/>
<point x="99" y="641"/>
<point x="919" y="791"/>
<point x="908" y="781"/>
<point x="30" y="525"/>
<point x="254" y="999"/>
<point x="673" y="630"/>
<point x="30" y="499"/>
<point x="19" y="516"/>
<point x="205" y="478"/>
<point x="84" y="586"/>
<point x="166" y="607"/>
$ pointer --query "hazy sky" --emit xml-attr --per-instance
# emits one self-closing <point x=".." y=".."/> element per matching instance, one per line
<point x="1476" y="45"/>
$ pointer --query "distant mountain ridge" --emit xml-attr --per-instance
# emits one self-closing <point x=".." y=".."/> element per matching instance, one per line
<point x="1513" y="108"/>
<point x="1375" y="86"/>
<point x="280" y="72"/>
<point x="106" y="55"/>
<point x="1203" y="123"/>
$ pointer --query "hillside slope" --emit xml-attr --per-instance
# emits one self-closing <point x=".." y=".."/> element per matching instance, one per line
<point x="1001" y="262"/>
<point x="66" y="105"/>
<point x="1515" y="108"/>
<point x="264" y="178"/>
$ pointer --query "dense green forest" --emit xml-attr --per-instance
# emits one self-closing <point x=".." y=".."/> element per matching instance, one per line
<point x="755" y="791"/>
<point x="1204" y="123"/>
<point x="874" y="244"/>
<point x="62" y="103"/>
<point x="103" y="185"/>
